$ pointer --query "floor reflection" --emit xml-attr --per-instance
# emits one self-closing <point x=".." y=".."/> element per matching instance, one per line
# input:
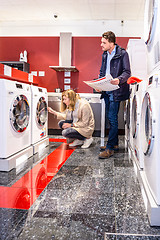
<point x="23" y="193"/>
<point x="83" y="198"/>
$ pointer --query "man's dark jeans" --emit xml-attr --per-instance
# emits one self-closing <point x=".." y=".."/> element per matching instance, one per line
<point x="112" y="109"/>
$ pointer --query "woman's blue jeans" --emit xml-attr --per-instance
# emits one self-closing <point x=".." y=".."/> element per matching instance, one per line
<point x="70" y="132"/>
<point x="112" y="109"/>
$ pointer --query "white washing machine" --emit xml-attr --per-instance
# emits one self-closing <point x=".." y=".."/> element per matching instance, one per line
<point x="138" y="60"/>
<point x="39" y="118"/>
<point x="127" y="123"/>
<point x="152" y="33"/>
<point x="133" y="90"/>
<point x="137" y="51"/>
<point x="136" y="125"/>
<point x="15" y="137"/>
<point x="150" y="135"/>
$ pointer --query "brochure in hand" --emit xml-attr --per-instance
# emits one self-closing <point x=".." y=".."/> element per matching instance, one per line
<point x="102" y="84"/>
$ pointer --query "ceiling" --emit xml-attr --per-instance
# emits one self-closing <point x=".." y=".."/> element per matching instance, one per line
<point x="46" y="10"/>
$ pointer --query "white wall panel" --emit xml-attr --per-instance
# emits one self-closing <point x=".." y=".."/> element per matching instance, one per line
<point x="78" y="28"/>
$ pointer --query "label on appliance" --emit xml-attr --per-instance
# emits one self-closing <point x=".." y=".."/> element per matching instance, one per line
<point x="30" y="77"/>
<point x="7" y="70"/>
<point x="43" y="133"/>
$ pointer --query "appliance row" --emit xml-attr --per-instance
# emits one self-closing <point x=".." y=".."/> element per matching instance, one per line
<point x="23" y="122"/>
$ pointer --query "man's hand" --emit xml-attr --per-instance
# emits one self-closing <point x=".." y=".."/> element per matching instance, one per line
<point x="98" y="90"/>
<point x="115" y="81"/>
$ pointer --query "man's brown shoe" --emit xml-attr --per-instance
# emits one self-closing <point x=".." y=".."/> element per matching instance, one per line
<point x="116" y="148"/>
<point x="106" y="154"/>
<point x="102" y="148"/>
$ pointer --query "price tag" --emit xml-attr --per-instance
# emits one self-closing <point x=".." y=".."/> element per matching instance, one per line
<point x="7" y="70"/>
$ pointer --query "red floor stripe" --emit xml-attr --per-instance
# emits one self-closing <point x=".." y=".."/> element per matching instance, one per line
<point x="57" y="140"/>
<point x="26" y="190"/>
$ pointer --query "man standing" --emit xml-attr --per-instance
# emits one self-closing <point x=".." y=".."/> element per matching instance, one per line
<point x="115" y="61"/>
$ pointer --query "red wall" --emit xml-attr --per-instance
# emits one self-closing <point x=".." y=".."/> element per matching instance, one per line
<point x="44" y="52"/>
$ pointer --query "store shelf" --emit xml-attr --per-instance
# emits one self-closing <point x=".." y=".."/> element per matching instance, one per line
<point x="64" y="68"/>
<point x="10" y="73"/>
<point x="20" y="65"/>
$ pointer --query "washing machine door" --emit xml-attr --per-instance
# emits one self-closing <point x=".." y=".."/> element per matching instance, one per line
<point x="135" y="123"/>
<point x="147" y="125"/>
<point x="150" y="18"/>
<point x="41" y="111"/>
<point x="19" y="113"/>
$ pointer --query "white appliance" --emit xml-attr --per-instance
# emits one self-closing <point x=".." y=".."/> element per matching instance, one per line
<point x="132" y="94"/>
<point x="139" y="70"/>
<point x="137" y="51"/>
<point x="150" y="135"/>
<point x="152" y="33"/>
<point x="39" y="119"/>
<point x="127" y="123"/>
<point x="130" y="49"/>
<point x="15" y="124"/>
<point x="150" y="122"/>
<point x="136" y="125"/>
<point x="138" y="60"/>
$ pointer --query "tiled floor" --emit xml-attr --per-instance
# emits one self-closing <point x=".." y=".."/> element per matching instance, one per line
<point x="87" y="199"/>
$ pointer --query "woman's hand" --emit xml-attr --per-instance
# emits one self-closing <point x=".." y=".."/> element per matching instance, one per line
<point x="66" y="125"/>
<point x="51" y="111"/>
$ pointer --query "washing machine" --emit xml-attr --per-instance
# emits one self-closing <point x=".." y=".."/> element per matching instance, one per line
<point x="152" y="33"/>
<point x="127" y="123"/>
<point x="140" y="91"/>
<point x="15" y="124"/>
<point x="137" y="51"/>
<point x="39" y="119"/>
<point x="132" y="94"/>
<point x="150" y="136"/>
<point x="138" y="60"/>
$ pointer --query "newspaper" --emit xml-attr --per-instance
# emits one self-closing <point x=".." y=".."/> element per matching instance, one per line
<point x="102" y="84"/>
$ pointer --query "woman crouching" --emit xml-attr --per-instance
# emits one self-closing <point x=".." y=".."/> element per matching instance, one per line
<point x="77" y="119"/>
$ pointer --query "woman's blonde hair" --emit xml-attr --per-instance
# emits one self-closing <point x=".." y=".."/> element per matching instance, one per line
<point x="73" y="97"/>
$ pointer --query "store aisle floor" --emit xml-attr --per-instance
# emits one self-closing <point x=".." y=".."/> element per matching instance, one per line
<point x="87" y="199"/>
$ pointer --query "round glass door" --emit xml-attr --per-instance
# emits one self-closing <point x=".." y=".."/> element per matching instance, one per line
<point x="41" y="111"/>
<point x="150" y="20"/>
<point x="19" y="113"/>
<point x="134" y="118"/>
<point x="146" y="120"/>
